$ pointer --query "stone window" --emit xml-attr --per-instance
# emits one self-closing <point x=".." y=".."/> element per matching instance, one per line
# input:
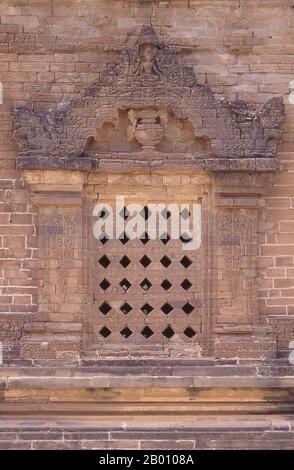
<point x="146" y="290"/>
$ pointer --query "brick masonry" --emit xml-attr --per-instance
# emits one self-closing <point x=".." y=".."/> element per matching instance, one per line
<point x="210" y="433"/>
<point x="49" y="52"/>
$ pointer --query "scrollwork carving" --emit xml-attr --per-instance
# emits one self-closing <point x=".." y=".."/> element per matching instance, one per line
<point x="234" y="227"/>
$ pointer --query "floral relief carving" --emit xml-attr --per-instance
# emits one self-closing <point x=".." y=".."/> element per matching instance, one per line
<point x="234" y="229"/>
<point x="59" y="229"/>
<point x="67" y="227"/>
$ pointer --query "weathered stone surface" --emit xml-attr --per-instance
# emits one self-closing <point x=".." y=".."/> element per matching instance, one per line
<point x="182" y="432"/>
<point x="146" y="74"/>
<point x="88" y="85"/>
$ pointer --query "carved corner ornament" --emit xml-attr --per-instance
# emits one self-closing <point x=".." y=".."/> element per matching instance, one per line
<point x="149" y="82"/>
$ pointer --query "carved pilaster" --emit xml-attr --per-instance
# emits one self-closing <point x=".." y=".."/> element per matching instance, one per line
<point x="59" y="230"/>
<point x="237" y="325"/>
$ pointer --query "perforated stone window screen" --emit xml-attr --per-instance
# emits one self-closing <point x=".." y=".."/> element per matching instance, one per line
<point x="146" y="290"/>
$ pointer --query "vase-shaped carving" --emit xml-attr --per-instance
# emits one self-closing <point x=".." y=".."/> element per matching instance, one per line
<point x="147" y="127"/>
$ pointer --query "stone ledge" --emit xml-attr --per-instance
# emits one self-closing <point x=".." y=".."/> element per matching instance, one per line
<point x="148" y="432"/>
<point x="127" y="381"/>
<point x="151" y="367"/>
<point x="125" y="394"/>
<point x="126" y="409"/>
<point x="119" y="162"/>
<point x="137" y="369"/>
<point x="56" y="199"/>
<point x="146" y="422"/>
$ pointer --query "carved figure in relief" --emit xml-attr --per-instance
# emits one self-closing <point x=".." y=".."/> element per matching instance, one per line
<point x="147" y="63"/>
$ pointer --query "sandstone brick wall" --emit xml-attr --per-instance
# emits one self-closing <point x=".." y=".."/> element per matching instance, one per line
<point x="49" y="49"/>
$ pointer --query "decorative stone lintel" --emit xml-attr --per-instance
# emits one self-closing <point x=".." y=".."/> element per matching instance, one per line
<point x="253" y="347"/>
<point x="233" y="329"/>
<point x="115" y="162"/>
<point x="56" y="199"/>
<point x="50" y="346"/>
<point x="244" y="201"/>
<point x="55" y="181"/>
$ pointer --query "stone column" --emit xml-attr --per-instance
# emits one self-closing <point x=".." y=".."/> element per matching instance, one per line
<point x="56" y="333"/>
<point x="237" y="326"/>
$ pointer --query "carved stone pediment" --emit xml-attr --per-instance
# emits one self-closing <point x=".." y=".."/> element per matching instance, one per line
<point x="149" y="76"/>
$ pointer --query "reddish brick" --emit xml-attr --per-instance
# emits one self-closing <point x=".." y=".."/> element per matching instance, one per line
<point x="282" y="283"/>
<point x="284" y="261"/>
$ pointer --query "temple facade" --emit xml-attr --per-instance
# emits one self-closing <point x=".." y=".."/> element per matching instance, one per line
<point x="146" y="224"/>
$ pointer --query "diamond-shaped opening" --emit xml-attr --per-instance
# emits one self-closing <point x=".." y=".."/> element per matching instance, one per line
<point x="147" y="332"/>
<point x="166" y="285"/>
<point x="189" y="332"/>
<point x="145" y="284"/>
<point x="105" y="308"/>
<point x="168" y="332"/>
<point x="125" y="261"/>
<point x="165" y="261"/>
<point x="166" y="308"/>
<point x="145" y="261"/>
<point x="165" y="213"/>
<point x="146" y="309"/>
<point x="126" y="308"/>
<point x="105" y="332"/>
<point x="185" y="213"/>
<point x="165" y="238"/>
<point x="123" y="238"/>
<point x="104" y="261"/>
<point x="144" y="238"/>
<point x="103" y="214"/>
<point x="185" y="238"/>
<point x="186" y="284"/>
<point x="188" y="308"/>
<point x="124" y="213"/>
<point x="186" y="262"/>
<point x="104" y="238"/>
<point x="145" y="213"/>
<point x="126" y="332"/>
<point x="125" y="284"/>
<point x="104" y="284"/>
